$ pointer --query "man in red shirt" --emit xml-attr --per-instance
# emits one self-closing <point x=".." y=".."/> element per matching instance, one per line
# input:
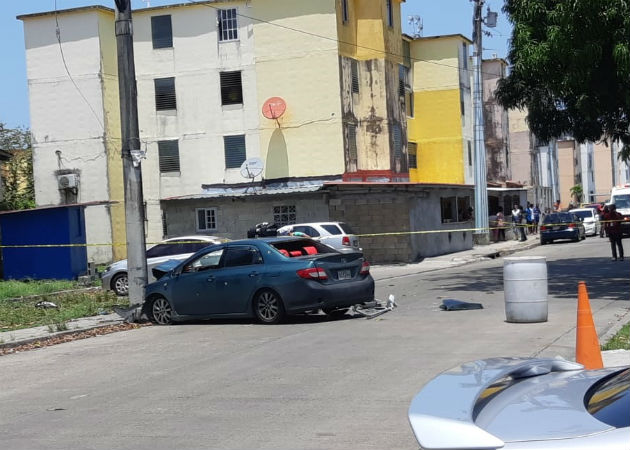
<point x="613" y="227"/>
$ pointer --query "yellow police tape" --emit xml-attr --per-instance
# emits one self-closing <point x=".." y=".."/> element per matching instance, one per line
<point x="507" y="226"/>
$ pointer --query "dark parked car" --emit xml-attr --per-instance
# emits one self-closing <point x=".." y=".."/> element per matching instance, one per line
<point x="263" y="278"/>
<point x="523" y="403"/>
<point x="563" y="225"/>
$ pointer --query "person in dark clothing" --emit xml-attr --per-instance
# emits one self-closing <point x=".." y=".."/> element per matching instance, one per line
<point x="521" y="226"/>
<point x="613" y="228"/>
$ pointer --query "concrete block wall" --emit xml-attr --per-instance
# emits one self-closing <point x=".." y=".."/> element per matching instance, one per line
<point x="236" y="215"/>
<point x="376" y="213"/>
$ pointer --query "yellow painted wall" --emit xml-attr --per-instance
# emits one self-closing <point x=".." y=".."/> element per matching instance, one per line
<point x="366" y="35"/>
<point x="304" y="70"/>
<point x="566" y="171"/>
<point x="437" y="123"/>
<point x="111" y="106"/>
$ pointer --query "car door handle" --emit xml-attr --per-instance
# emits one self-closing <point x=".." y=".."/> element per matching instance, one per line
<point x="254" y="274"/>
<point x="210" y="279"/>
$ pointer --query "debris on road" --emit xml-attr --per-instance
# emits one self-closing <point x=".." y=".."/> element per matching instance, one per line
<point x="450" y="304"/>
<point x="374" y="309"/>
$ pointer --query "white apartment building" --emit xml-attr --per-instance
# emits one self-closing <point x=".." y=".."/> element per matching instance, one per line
<point x="197" y="107"/>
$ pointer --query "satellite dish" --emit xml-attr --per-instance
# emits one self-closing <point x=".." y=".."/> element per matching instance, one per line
<point x="252" y="168"/>
<point x="274" y="108"/>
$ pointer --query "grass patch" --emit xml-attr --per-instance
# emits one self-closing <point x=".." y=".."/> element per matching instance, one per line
<point x="17" y="289"/>
<point x="16" y="314"/>
<point x="620" y="341"/>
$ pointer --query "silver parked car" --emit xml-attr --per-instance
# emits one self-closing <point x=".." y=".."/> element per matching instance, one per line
<point x="590" y="219"/>
<point x="178" y="248"/>
<point x="337" y="235"/>
<point x="524" y="403"/>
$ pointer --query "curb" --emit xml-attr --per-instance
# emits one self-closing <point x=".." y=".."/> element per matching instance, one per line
<point x="27" y="341"/>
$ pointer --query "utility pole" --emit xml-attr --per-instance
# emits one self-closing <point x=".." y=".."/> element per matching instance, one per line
<point x="481" y="234"/>
<point x="131" y="155"/>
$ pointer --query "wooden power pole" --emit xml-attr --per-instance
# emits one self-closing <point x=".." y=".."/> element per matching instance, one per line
<point x="131" y="155"/>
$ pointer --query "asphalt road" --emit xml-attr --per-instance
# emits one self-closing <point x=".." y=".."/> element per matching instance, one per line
<point x="312" y="383"/>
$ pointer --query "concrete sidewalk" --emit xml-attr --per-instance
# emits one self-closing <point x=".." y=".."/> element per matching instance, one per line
<point x="477" y="253"/>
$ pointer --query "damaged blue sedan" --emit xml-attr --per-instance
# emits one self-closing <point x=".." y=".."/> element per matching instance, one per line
<point x="266" y="279"/>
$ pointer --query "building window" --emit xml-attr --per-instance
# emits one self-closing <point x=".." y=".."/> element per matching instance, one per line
<point x="344" y="10"/>
<point x="412" y="150"/>
<point x="390" y="13"/>
<point x="455" y="209"/>
<point x="284" y="215"/>
<point x="206" y="219"/>
<point x="352" y="142"/>
<point x="235" y="151"/>
<point x="168" y="152"/>
<point x="397" y="140"/>
<point x="470" y="158"/>
<point x="228" y="25"/>
<point x="161" y="32"/>
<point x="354" y="68"/>
<point x="462" y="103"/>
<point x="405" y="88"/>
<point x="231" y="88"/>
<point x="165" y="98"/>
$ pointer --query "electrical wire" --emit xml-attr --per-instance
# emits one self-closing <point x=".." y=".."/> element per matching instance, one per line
<point x="328" y="38"/>
<point x="65" y="65"/>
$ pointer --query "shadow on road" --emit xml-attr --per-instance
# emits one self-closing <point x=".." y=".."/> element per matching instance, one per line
<point x="290" y="320"/>
<point x="603" y="277"/>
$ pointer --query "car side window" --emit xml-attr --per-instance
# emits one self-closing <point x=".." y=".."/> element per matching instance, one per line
<point x="207" y="261"/>
<point x="160" y="250"/>
<point x="332" y="229"/>
<point x="307" y="230"/>
<point x="242" y="256"/>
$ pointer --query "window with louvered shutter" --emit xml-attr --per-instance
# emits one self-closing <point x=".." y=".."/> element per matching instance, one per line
<point x="397" y="140"/>
<point x="354" y="68"/>
<point x="161" y="32"/>
<point x="231" y="88"/>
<point x="235" y="151"/>
<point x="165" y="94"/>
<point x="228" y="24"/>
<point x="412" y="150"/>
<point x="352" y="142"/>
<point x="169" y="156"/>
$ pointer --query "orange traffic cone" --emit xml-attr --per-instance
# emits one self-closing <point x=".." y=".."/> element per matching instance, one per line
<point x="587" y="350"/>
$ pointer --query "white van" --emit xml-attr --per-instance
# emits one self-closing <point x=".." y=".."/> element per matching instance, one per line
<point x="620" y="197"/>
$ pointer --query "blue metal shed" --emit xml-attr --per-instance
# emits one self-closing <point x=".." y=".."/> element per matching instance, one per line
<point x="46" y="233"/>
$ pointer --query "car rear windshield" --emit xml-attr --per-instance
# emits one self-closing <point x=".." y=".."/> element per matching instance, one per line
<point x="301" y="247"/>
<point x="346" y="228"/>
<point x="609" y="400"/>
<point x="558" y="218"/>
<point x="584" y="214"/>
<point x="332" y="229"/>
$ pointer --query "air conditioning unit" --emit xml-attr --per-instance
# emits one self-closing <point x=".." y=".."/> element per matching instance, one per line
<point x="68" y="181"/>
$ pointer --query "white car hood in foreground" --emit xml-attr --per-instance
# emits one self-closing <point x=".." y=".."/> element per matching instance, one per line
<point x="541" y="405"/>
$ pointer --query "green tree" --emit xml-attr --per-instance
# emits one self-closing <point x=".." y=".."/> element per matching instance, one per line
<point x="17" y="173"/>
<point x="577" y="192"/>
<point x="570" y="68"/>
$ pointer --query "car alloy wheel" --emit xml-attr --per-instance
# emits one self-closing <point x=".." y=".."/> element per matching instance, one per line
<point x="161" y="311"/>
<point x="120" y="284"/>
<point x="268" y="307"/>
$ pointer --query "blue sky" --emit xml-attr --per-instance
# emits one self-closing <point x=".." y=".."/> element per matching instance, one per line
<point x="438" y="16"/>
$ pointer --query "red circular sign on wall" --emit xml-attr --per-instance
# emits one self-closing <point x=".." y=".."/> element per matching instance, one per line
<point x="274" y="108"/>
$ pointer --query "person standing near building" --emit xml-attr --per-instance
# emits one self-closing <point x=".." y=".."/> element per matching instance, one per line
<point x="500" y="225"/>
<point x="536" y="218"/>
<point x="521" y="226"/>
<point x="529" y="218"/>
<point x="613" y="227"/>
<point x="516" y="221"/>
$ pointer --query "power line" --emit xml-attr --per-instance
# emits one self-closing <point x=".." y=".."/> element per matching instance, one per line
<point x="65" y="65"/>
<point x="328" y="38"/>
